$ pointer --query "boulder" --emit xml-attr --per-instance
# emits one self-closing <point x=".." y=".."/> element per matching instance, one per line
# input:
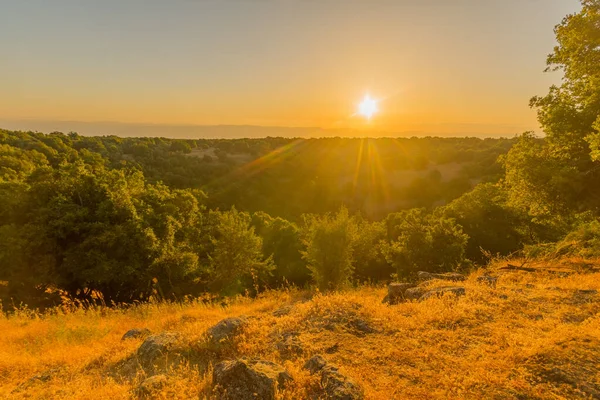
<point x="159" y="352"/>
<point x="226" y="329"/>
<point x="248" y="379"/>
<point x="315" y="364"/>
<point x="338" y="386"/>
<point x="282" y="311"/>
<point x="414" y="293"/>
<point x="136" y="333"/>
<point x="150" y="386"/>
<point x="451" y="276"/>
<point x="488" y="280"/>
<point x="396" y="292"/>
<point x="289" y="345"/>
<point x="334" y="384"/>
<point x="439" y="292"/>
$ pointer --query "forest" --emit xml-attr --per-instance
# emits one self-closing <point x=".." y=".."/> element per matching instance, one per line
<point x="131" y="219"/>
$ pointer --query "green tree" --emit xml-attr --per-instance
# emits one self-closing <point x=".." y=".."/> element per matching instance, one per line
<point x="237" y="259"/>
<point x="424" y="242"/>
<point x="562" y="169"/>
<point x="281" y="239"/>
<point x="329" y="248"/>
<point x="491" y="224"/>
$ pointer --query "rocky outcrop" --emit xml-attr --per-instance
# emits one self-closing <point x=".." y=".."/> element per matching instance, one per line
<point x="226" y="329"/>
<point x="451" y="276"/>
<point x="396" y="292"/>
<point x="159" y="352"/>
<point x="315" y="364"/>
<point x="414" y="293"/>
<point x="335" y="385"/>
<point x="439" y="292"/>
<point x="248" y="379"/>
<point x="136" y="333"/>
<point x="491" y="281"/>
<point x="282" y="311"/>
<point x="289" y="345"/>
<point x="150" y="386"/>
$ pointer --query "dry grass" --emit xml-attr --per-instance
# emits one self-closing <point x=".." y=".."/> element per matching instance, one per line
<point x="533" y="336"/>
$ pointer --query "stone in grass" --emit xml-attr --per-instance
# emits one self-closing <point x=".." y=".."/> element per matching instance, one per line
<point x="226" y="329"/>
<point x="451" y="276"/>
<point x="396" y="292"/>
<point x="150" y="386"/>
<point x="248" y="379"/>
<point x="414" y="293"/>
<point x="439" y="292"/>
<point x="159" y="352"/>
<point x="335" y="385"/>
<point x="282" y="311"/>
<point x="289" y="345"/>
<point x="491" y="281"/>
<point x="136" y="333"/>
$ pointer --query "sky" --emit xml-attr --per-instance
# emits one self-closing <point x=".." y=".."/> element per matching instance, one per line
<point x="461" y="67"/>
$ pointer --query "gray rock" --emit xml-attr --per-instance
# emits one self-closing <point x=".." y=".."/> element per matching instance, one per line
<point x="360" y="327"/>
<point x="586" y="292"/>
<point x="451" y="276"/>
<point x="332" y="349"/>
<point x="151" y="385"/>
<point x="491" y="281"/>
<point x="334" y="384"/>
<point x="414" y="293"/>
<point x="248" y="379"/>
<point x="226" y="329"/>
<point x="439" y="292"/>
<point x="159" y="352"/>
<point x="282" y="311"/>
<point x="289" y="345"/>
<point x="396" y="292"/>
<point x="315" y="364"/>
<point x="338" y="386"/>
<point x="135" y="333"/>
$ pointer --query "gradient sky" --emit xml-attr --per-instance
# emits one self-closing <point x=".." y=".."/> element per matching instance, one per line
<point x="441" y="66"/>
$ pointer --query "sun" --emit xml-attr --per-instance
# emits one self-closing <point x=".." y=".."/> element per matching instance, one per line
<point x="368" y="107"/>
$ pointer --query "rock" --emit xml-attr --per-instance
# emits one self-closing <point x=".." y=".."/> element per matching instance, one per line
<point x="414" y="293"/>
<point x="282" y="311"/>
<point x="315" y="364"/>
<point x="151" y="385"/>
<point x="159" y="352"/>
<point x="332" y="349"/>
<point x="335" y="385"/>
<point x="188" y="318"/>
<point x="396" y="292"/>
<point x="339" y="387"/>
<point x="360" y="327"/>
<point x="451" y="276"/>
<point x="289" y="345"/>
<point x="226" y="329"/>
<point x="488" y="280"/>
<point x="136" y="333"/>
<point x="439" y="292"/>
<point x="248" y="379"/>
<point x="586" y="292"/>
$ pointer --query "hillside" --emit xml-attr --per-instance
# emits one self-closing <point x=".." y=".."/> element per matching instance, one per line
<point x="534" y="335"/>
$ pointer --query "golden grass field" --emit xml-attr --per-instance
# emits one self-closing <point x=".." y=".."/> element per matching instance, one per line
<point x="534" y="336"/>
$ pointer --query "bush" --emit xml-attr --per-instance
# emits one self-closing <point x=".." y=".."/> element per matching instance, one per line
<point x="329" y="246"/>
<point x="424" y="242"/>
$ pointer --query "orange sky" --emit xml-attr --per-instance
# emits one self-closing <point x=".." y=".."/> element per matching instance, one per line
<point x="459" y="68"/>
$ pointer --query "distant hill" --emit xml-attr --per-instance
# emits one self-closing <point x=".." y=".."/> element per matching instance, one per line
<point x="250" y="131"/>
